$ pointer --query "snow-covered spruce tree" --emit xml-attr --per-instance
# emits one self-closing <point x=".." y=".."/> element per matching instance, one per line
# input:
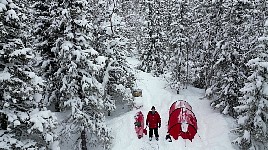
<point x="253" y="104"/>
<point x="231" y="45"/>
<point x="225" y="90"/>
<point x="147" y="44"/>
<point x="109" y="41"/>
<point x="210" y="20"/>
<point x="120" y="46"/>
<point x="154" y="38"/>
<point x="253" y="108"/>
<point x="29" y="124"/>
<point x="133" y="18"/>
<point x="179" y="37"/>
<point x="68" y="49"/>
<point x="45" y="34"/>
<point x="225" y="81"/>
<point x="200" y="38"/>
<point x="117" y="85"/>
<point x="206" y="23"/>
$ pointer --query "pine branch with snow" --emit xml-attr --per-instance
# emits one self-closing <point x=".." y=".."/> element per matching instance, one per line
<point x="26" y="122"/>
<point x="252" y="109"/>
<point x="71" y="69"/>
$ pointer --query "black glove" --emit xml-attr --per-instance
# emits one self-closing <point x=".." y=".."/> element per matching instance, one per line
<point x="159" y="125"/>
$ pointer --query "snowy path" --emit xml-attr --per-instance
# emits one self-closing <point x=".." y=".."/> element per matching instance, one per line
<point x="213" y="129"/>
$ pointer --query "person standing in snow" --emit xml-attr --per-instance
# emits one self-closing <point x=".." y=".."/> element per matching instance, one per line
<point x="153" y="120"/>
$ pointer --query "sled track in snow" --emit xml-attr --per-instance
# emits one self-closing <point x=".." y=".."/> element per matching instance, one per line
<point x="149" y="146"/>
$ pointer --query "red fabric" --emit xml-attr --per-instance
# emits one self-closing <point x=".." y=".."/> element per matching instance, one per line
<point x="153" y="119"/>
<point x="176" y="131"/>
<point x="145" y="131"/>
<point x="180" y="114"/>
<point x="179" y="104"/>
<point x="139" y="118"/>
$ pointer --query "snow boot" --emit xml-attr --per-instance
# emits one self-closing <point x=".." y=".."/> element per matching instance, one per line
<point x="150" y="138"/>
<point x="157" y="138"/>
<point x="168" y="138"/>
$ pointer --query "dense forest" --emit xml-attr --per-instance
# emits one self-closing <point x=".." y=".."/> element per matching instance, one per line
<point x="58" y="55"/>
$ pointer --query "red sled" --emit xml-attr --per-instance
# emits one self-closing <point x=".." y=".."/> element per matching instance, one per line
<point x="139" y="125"/>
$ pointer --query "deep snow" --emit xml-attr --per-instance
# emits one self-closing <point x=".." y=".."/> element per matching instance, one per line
<point x="213" y="128"/>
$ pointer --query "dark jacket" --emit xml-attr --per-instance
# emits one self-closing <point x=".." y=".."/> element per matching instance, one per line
<point x="153" y="119"/>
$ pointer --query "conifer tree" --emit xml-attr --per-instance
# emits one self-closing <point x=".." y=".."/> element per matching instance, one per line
<point x="71" y="65"/>
<point x="154" y="38"/>
<point x="179" y="44"/>
<point x="253" y="106"/>
<point x="29" y="124"/>
<point x="227" y="75"/>
<point x="110" y="41"/>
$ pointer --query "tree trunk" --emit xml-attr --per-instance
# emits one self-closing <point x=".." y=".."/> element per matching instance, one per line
<point x="3" y="121"/>
<point x="84" y="140"/>
<point x="57" y="106"/>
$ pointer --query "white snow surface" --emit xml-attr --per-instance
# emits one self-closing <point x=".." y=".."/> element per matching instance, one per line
<point x="213" y="128"/>
<point x="4" y="75"/>
<point x="2" y="7"/>
<point x="10" y="15"/>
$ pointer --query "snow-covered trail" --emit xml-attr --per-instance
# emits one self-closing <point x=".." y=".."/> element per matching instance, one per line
<point x="213" y="129"/>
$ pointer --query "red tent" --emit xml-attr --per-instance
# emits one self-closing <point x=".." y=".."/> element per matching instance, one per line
<point x="182" y="121"/>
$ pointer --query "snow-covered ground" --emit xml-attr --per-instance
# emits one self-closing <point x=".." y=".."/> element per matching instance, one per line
<point x="213" y="128"/>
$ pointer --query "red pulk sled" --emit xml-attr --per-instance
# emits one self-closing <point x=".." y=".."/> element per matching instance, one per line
<point x="139" y="125"/>
<point x="182" y="121"/>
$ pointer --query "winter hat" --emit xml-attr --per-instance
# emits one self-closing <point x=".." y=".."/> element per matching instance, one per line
<point x="153" y="108"/>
